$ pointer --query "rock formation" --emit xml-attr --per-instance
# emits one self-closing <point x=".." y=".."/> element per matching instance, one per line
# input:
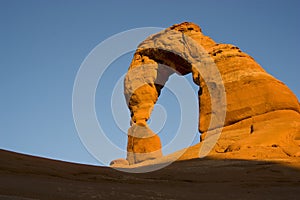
<point x="260" y="110"/>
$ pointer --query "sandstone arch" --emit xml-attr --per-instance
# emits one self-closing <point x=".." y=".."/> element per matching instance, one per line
<point x="251" y="92"/>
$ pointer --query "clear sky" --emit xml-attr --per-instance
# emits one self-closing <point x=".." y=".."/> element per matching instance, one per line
<point x="43" y="43"/>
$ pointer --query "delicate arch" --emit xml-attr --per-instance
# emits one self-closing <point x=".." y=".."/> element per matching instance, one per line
<point x="215" y="67"/>
<point x="159" y="56"/>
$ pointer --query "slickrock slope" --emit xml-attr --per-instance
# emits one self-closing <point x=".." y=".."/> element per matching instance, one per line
<point x="262" y="113"/>
<point x="29" y="178"/>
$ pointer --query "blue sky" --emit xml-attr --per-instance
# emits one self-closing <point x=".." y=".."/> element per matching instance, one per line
<point x="43" y="44"/>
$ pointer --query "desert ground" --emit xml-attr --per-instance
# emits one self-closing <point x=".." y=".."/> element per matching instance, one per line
<point x="26" y="177"/>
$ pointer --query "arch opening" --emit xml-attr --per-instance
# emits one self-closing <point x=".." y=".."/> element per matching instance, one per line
<point x="155" y="67"/>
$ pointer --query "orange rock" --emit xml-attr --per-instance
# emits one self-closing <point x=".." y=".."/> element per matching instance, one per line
<point x="143" y="144"/>
<point x="251" y="93"/>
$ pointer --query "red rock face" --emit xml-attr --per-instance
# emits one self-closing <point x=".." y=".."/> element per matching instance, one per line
<point x="251" y="93"/>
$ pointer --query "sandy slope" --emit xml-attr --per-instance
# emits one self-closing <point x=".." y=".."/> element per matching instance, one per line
<point x="27" y="177"/>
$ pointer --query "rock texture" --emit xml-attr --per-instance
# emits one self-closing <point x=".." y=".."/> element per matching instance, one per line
<point x="260" y="110"/>
<point x="30" y="178"/>
<point x="143" y="144"/>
